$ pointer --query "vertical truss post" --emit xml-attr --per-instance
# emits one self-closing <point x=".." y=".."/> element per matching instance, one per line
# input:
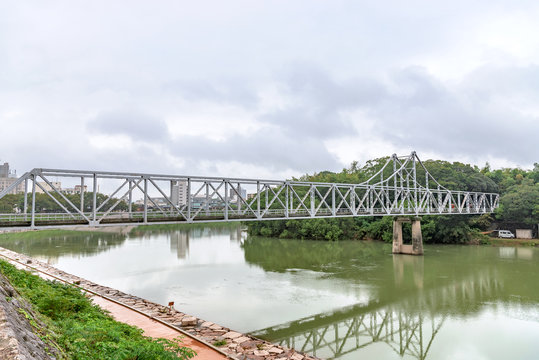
<point x="25" y="198"/>
<point x="33" y="215"/>
<point x="312" y="200"/>
<point x="291" y="204"/>
<point x="440" y="199"/>
<point x="353" y="200"/>
<point x="94" y="205"/>
<point x="415" y="183"/>
<point x="428" y="191"/>
<point x="333" y="209"/>
<point x="82" y="194"/>
<point x="226" y="199"/>
<point x="130" y="198"/>
<point x="207" y="207"/>
<point x="395" y="197"/>
<point x="189" y="199"/>
<point x="371" y="199"/>
<point x="408" y="197"/>
<point x="258" y="199"/>
<point x="286" y="199"/>
<point x="145" y="215"/>
<point x="267" y="196"/>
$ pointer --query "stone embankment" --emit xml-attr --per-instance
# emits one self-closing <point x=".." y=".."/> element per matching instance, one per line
<point x="235" y="344"/>
<point x="18" y="327"/>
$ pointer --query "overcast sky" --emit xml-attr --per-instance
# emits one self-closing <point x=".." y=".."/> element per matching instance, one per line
<point x="269" y="89"/>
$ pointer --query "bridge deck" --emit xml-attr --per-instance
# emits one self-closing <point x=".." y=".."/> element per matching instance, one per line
<point x="394" y="190"/>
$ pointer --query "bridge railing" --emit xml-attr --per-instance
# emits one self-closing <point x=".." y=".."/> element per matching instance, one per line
<point x="145" y="198"/>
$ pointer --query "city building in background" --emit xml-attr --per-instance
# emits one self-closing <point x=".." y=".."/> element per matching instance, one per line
<point x="178" y="193"/>
<point x="56" y="184"/>
<point x="8" y="177"/>
<point x="75" y="190"/>
<point x="233" y="193"/>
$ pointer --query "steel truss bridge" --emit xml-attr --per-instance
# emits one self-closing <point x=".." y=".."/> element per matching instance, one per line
<point x="403" y="186"/>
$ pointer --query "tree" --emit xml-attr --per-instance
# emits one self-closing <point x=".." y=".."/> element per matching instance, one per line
<point x="520" y="204"/>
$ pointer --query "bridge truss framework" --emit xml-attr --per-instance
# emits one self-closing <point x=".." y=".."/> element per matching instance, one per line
<point x="397" y="189"/>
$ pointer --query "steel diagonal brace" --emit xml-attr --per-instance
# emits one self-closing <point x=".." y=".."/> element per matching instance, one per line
<point x="382" y="207"/>
<point x="322" y="199"/>
<point x="14" y="184"/>
<point x="216" y="192"/>
<point x="395" y="203"/>
<point x="151" y="200"/>
<point x="111" y="196"/>
<point x="423" y="201"/>
<point x="62" y="195"/>
<point x="167" y="198"/>
<point x="56" y="200"/>
<point x="131" y="188"/>
<point x="243" y="200"/>
<point x="343" y="198"/>
<point x="301" y="200"/>
<point x="276" y="196"/>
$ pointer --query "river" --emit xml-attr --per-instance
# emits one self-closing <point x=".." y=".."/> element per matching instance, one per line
<point x="343" y="300"/>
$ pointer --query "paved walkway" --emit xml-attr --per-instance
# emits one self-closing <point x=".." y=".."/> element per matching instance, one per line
<point x="155" y="329"/>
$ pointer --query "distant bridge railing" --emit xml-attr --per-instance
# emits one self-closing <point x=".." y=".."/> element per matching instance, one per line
<point x="169" y="198"/>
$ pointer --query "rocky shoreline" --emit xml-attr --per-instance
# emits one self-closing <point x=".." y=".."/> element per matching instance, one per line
<point x="235" y="344"/>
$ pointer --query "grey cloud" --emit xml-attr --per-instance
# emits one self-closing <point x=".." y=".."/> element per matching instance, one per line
<point x="426" y="115"/>
<point x="270" y="148"/>
<point x="131" y="123"/>
<point x="319" y="101"/>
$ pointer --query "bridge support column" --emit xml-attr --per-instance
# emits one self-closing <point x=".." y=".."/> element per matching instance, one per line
<point x="417" y="237"/>
<point x="416" y="248"/>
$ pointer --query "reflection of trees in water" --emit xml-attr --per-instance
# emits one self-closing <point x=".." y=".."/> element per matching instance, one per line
<point x="343" y="257"/>
<point x="412" y="295"/>
<point x="54" y="246"/>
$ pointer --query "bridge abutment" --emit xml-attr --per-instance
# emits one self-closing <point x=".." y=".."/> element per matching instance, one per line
<point x="416" y="248"/>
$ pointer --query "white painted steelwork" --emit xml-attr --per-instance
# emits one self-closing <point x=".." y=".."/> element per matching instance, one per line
<point x="394" y="190"/>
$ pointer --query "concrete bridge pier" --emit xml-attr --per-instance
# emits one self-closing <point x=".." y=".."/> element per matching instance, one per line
<point x="416" y="248"/>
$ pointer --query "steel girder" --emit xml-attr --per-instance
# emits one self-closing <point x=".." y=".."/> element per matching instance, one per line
<point x="393" y="190"/>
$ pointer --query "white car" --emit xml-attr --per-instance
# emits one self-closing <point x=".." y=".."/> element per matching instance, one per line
<point x="506" y="234"/>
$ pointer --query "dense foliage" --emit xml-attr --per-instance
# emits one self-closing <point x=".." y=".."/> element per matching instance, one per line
<point x="519" y="205"/>
<point x="81" y="330"/>
<point x="44" y="203"/>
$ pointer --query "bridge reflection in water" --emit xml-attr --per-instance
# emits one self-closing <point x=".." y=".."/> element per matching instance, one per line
<point x="409" y="327"/>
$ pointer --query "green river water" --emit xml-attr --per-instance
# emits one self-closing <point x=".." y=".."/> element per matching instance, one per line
<point x="345" y="300"/>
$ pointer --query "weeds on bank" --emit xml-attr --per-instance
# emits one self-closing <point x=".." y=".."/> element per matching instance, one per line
<point x="82" y="330"/>
<point x="219" y="343"/>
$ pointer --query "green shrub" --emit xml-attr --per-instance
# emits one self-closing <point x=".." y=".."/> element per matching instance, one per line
<point x="84" y="331"/>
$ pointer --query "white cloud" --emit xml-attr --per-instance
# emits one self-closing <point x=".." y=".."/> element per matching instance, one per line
<point x="268" y="87"/>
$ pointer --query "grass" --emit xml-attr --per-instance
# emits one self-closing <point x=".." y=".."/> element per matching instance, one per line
<point x="219" y="343"/>
<point x="80" y="329"/>
<point x="514" y="242"/>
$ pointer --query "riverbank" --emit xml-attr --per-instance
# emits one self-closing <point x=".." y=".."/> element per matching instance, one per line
<point x="235" y="344"/>
<point x="43" y="319"/>
<point x="513" y="242"/>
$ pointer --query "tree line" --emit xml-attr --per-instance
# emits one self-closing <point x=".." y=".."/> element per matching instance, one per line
<point x="519" y="205"/>
<point x="45" y="204"/>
